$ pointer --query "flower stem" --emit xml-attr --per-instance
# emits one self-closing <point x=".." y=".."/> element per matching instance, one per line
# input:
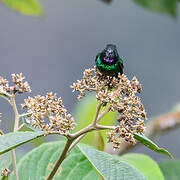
<point x="13" y="156"/>
<point x="24" y="114"/>
<point x="97" y="114"/>
<point x="102" y="127"/>
<point x="73" y="139"/>
<point x="13" y="103"/>
<point x="60" y="159"/>
<point x="16" y="125"/>
<point x="76" y="141"/>
<point x="103" y="114"/>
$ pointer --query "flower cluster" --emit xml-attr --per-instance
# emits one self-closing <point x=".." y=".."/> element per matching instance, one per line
<point x="119" y="93"/>
<point x="48" y="113"/>
<point x="5" y="172"/>
<point x="18" y="86"/>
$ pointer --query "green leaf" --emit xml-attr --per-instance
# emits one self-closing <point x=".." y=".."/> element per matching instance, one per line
<point x="109" y="166"/>
<point x="161" y="6"/>
<point x="26" y="7"/>
<point x="12" y="140"/>
<point x="3" y="178"/>
<point x="148" y="143"/>
<point x="38" y="163"/>
<point x="99" y="141"/>
<point x="24" y="127"/>
<point x="5" y="160"/>
<point x="144" y="164"/>
<point x="84" y="114"/>
<point x="170" y="169"/>
<point x="36" y="142"/>
<point x="4" y="97"/>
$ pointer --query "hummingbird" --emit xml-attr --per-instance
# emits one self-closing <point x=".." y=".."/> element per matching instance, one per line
<point x="108" y="61"/>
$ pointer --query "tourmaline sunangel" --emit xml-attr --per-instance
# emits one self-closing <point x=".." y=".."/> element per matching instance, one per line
<point x="108" y="61"/>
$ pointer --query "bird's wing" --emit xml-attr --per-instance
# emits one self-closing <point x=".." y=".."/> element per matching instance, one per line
<point x="121" y="66"/>
<point x="97" y="56"/>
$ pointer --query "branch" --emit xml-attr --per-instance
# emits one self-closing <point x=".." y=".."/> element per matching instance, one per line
<point x="101" y="127"/>
<point x="13" y="104"/>
<point x="59" y="160"/>
<point x="94" y="125"/>
<point x="82" y="131"/>
<point x="25" y="114"/>
<point x="16" y="126"/>
<point x="76" y="141"/>
<point x="103" y="114"/>
<point x="74" y="138"/>
<point x="164" y="123"/>
<point x="13" y="156"/>
<point x="11" y="99"/>
<point x="97" y="114"/>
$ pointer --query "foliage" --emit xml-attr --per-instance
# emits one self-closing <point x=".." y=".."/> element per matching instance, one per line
<point x="12" y="140"/>
<point x="32" y="7"/>
<point x="26" y="7"/>
<point x="115" y="99"/>
<point x="168" y="7"/>
<point x="94" y="117"/>
<point x="84" y="162"/>
<point x="125" y="167"/>
<point x="144" y="164"/>
<point x="170" y="169"/>
<point x="39" y="162"/>
<point x="151" y="145"/>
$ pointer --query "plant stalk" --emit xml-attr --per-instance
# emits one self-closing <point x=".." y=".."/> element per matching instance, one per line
<point x="76" y="141"/>
<point x="16" y="113"/>
<point x="16" y="125"/>
<point x="73" y="139"/>
<point x="60" y="159"/>
<point x="97" y="114"/>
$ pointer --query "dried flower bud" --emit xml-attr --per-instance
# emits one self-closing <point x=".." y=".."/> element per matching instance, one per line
<point x="3" y="81"/>
<point x="49" y="108"/>
<point x="5" y="172"/>
<point x="120" y="94"/>
<point x="18" y="85"/>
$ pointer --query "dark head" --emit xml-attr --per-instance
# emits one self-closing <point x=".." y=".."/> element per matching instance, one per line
<point x="109" y="55"/>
